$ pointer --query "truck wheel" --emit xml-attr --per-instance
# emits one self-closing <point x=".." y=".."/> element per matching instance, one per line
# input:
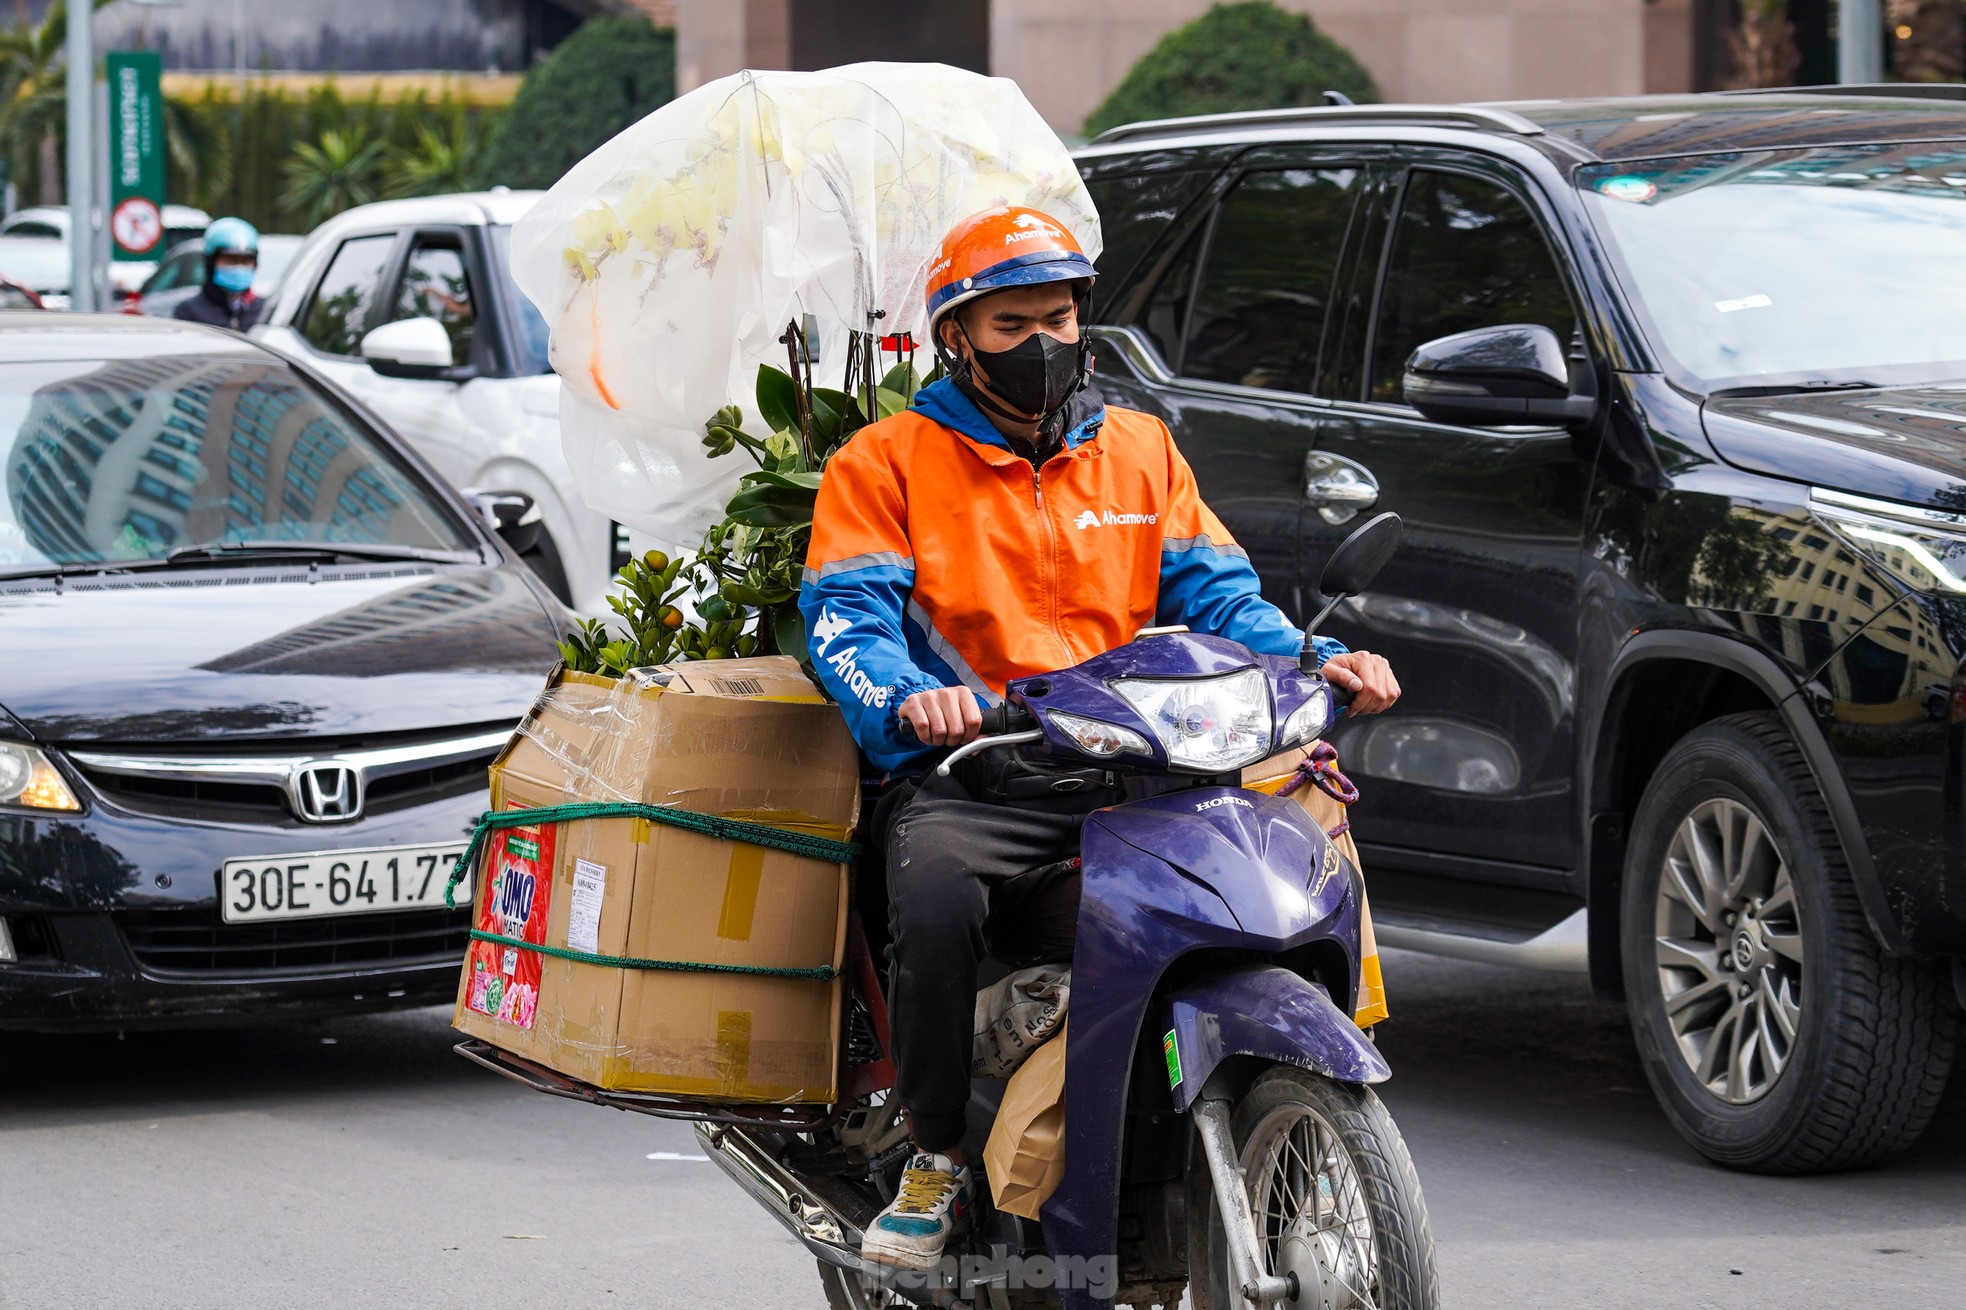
<point x="544" y="560"/>
<point x="1778" y="1035"/>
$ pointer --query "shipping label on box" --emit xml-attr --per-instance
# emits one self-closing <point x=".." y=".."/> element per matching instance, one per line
<point x="518" y="892"/>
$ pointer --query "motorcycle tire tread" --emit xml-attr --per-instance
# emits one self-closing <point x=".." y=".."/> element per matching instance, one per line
<point x="1889" y="1034"/>
<point x="1409" y="1275"/>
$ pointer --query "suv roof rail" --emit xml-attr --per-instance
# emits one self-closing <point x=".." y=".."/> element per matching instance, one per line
<point x="1896" y="90"/>
<point x="1476" y="116"/>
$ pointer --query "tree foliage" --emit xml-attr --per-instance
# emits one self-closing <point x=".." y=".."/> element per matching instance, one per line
<point x="340" y="171"/>
<point x="1251" y="55"/>
<point x="611" y="72"/>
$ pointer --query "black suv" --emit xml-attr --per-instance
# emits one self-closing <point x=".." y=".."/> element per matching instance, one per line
<point x="1671" y="394"/>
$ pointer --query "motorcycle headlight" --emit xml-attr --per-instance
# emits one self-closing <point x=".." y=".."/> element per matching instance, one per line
<point x="1206" y="725"/>
<point x="30" y="779"/>
<point x="1307" y="720"/>
<point x="1096" y="737"/>
<point x="1923" y="548"/>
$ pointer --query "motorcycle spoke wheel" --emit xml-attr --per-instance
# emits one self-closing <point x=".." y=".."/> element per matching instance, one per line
<point x="1311" y="1212"/>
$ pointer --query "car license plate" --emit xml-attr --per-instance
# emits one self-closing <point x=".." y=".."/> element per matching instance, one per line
<point x="307" y="886"/>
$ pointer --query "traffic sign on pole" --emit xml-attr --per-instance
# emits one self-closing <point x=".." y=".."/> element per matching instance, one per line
<point x="136" y="153"/>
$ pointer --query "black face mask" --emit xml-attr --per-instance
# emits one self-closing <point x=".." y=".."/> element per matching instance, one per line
<point x="1037" y="375"/>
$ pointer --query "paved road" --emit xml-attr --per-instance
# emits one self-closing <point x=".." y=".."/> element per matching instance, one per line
<point x="357" y="1163"/>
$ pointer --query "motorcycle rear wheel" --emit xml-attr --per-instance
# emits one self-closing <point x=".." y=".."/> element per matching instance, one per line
<point x="1335" y="1197"/>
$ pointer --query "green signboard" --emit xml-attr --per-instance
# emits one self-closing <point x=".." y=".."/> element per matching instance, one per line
<point x="136" y="153"/>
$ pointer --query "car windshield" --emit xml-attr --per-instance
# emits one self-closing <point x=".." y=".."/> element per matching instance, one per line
<point x="114" y="461"/>
<point x="532" y="333"/>
<point x="1795" y="268"/>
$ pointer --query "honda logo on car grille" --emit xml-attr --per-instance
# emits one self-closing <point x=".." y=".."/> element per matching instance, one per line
<point x="327" y="793"/>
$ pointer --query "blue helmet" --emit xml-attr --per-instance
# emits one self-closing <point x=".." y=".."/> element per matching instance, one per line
<point x="231" y="236"/>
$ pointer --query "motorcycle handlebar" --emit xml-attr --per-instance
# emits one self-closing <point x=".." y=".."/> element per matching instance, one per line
<point x="998" y="720"/>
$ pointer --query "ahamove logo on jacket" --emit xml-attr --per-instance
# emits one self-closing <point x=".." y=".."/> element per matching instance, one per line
<point x="1113" y="519"/>
<point x="844" y="662"/>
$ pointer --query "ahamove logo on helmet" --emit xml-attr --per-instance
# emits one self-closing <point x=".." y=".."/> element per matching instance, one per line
<point x="1031" y="226"/>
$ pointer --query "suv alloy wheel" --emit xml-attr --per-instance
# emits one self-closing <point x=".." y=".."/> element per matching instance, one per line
<point x="1775" y="1031"/>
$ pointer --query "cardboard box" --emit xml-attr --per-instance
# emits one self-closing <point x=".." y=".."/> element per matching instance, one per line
<point x="744" y="739"/>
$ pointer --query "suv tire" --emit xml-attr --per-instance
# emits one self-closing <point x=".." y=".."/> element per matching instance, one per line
<point x="1863" y="1070"/>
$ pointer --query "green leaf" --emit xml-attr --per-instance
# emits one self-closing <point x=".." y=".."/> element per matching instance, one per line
<point x="797" y="481"/>
<point x="828" y="406"/>
<point x="771" y="507"/>
<point x="777" y="398"/>
<point x="903" y="379"/>
<point x="788" y="632"/>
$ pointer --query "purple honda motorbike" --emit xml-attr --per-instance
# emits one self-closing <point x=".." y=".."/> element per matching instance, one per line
<point x="1222" y="1137"/>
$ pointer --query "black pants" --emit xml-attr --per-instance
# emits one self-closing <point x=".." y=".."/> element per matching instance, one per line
<point x="969" y="875"/>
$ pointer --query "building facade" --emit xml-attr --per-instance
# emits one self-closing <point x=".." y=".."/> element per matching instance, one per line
<point x="1068" y="55"/>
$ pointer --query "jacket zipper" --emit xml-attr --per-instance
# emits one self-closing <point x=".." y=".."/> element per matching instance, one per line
<point x="1051" y="558"/>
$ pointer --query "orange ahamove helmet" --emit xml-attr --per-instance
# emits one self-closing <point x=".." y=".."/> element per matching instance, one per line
<point x="996" y="249"/>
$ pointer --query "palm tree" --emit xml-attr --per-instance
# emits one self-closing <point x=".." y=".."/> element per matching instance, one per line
<point x="337" y="173"/>
<point x="445" y="160"/>
<point x="34" y="97"/>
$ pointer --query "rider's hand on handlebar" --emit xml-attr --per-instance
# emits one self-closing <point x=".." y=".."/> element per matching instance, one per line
<point x="947" y="716"/>
<point x="1367" y="676"/>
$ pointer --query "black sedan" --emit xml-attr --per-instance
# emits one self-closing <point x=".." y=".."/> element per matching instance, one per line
<point x="254" y="660"/>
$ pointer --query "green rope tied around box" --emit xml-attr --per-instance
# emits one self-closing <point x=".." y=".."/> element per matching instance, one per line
<point x="709" y="825"/>
<point x="824" y="973"/>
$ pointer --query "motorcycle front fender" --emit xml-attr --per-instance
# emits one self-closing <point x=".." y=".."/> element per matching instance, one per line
<point x="1267" y="1012"/>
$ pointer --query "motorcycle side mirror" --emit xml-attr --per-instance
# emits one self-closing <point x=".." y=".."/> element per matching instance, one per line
<point x="1350" y="570"/>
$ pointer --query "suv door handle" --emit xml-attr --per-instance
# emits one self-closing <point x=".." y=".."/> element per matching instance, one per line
<point x="1337" y="486"/>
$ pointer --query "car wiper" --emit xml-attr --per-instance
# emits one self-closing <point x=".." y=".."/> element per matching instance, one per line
<point x="219" y="552"/>
<point x="325" y="551"/>
<point x="1792" y="388"/>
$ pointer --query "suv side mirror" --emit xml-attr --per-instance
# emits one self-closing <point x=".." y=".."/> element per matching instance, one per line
<point x="409" y="348"/>
<point x="1497" y="377"/>
<point x="513" y="515"/>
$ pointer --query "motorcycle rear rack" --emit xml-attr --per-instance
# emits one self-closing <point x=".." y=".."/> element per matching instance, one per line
<point x="793" y="1118"/>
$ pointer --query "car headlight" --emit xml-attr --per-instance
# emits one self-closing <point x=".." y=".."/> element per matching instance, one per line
<point x="1307" y="720"/>
<point x="29" y="778"/>
<point x="1207" y="725"/>
<point x="1923" y="548"/>
<point x="1097" y="737"/>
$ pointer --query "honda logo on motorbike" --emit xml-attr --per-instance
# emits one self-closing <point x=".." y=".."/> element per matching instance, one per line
<point x="327" y="793"/>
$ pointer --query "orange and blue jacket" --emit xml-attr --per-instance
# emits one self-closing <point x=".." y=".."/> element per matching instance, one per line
<point x="941" y="558"/>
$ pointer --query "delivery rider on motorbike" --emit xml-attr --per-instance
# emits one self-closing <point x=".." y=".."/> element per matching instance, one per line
<point x="1008" y="524"/>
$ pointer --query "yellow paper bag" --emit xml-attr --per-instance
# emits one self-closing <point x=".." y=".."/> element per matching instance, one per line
<point x="1269" y="777"/>
<point x="1025" y="1156"/>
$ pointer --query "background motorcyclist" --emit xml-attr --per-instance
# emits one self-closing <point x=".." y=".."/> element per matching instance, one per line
<point x="1008" y="524"/>
<point x="231" y="258"/>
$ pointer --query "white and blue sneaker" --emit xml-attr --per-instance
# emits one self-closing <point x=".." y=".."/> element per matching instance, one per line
<point x="933" y="1199"/>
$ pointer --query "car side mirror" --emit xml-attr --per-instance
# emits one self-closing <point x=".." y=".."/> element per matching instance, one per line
<point x="513" y="515"/>
<point x="1498" y="377"/>
<point x="409" y="348"/>
<point x="1350" y="570"/>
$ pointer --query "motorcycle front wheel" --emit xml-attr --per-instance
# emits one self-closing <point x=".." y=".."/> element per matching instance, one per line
<point x="1335" y="1197"/>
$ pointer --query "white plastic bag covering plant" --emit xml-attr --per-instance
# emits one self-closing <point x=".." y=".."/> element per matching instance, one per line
<point x="669" y="261"/>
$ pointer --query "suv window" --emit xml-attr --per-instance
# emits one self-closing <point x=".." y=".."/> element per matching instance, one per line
<point x="339" y="312"/>
<point x="1260" y="307"/>
<point x="437" y="285"/>
<point x="1134" y="211"/>
<point x="1466" y="254"/>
